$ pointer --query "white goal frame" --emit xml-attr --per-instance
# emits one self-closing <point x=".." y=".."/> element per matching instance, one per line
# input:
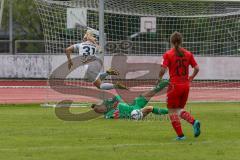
<point x="205" y="41"/>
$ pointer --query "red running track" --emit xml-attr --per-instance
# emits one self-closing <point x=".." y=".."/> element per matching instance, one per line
<point x="15" y="92"/>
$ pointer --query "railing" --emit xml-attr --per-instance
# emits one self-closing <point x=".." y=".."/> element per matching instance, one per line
<point x="158" y="48"/>
<point x="29" y="46"/>
<point x="22" y="47"/>
<point x="213" y="48"/>
<point x="4" y="46"/>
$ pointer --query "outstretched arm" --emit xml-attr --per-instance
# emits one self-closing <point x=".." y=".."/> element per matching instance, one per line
<point x="69" y="51"/>
<point x="160" y="86"/>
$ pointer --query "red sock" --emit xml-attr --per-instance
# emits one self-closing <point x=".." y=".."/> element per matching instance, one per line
<point x="187" y="117"/>
<point x="176" y="124"/>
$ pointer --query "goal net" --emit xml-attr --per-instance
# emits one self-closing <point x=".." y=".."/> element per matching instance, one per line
<point x="137" y="34"/>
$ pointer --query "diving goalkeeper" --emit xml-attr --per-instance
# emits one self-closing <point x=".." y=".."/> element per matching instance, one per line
<point x="116" y="108"/>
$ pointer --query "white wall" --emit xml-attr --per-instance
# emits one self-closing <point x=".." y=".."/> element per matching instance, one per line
<point x="38" y="66"/>
<point x="21" y="66"/>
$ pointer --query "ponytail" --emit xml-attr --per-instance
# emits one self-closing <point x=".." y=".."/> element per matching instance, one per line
<point x="179" y="52"/>
<point x="176" y="41"/>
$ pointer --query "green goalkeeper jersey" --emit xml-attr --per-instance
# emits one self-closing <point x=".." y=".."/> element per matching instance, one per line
<point x="123" y="110"/>
<point x="112" y="103"/>
<point x="117" y="108"/>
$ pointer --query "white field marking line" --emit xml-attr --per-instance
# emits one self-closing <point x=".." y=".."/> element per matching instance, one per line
<point x="2" y="87"/>
<point x="219" y="85"/>
<point x="80" y="105"/>
<point x="212" y="88"/>
<point x="174" y="142"/>
<point x="131" y="89"/>
<point x="192" y="88"/>
<point x="48" y="87"/>
<point x="151" y="102"/>
<point x="189" y="102"/>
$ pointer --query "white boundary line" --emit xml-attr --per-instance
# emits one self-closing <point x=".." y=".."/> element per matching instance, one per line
<point x="24" y="87"/>
<point x="131" y="89"/>
<point x="189" y="102"/>
<point x="172" y="142"/>
<point x="85" y="105"/>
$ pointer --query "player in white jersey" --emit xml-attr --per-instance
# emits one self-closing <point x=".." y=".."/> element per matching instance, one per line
<point x="88" y="50"/>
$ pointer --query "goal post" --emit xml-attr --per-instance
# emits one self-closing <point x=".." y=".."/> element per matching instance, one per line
<point x="139" y="31"/>
<point x="102" y="40"/>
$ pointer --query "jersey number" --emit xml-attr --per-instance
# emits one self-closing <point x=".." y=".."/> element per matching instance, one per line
<point x="88" y="50"/>
<point x="181" y="67"/>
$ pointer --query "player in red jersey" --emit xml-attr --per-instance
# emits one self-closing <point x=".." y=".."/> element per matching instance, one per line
<point x="178" y="60"/>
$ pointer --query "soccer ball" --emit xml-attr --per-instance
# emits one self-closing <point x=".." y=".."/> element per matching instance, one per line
<point x="136" y="114"/>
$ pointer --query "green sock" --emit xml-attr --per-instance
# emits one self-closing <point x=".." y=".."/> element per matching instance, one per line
<point x="159" y="111"/>
<point x="161" y="85"/>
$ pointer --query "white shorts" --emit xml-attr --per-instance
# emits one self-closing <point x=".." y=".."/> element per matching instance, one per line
<point x="93" y="69"/>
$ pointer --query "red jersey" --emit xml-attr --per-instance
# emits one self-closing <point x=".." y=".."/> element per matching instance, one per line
<point x="178" y="66"/>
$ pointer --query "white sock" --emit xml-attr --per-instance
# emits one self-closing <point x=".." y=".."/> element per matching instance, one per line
<point x="106" y="86"/>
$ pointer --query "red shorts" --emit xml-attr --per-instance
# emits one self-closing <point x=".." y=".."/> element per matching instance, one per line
<point x="177" y="95"/>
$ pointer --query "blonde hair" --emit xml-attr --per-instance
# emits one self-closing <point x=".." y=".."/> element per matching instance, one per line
<point x="89" y="36"/>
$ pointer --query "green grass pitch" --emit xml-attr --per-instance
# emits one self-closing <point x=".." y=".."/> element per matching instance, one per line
<point x="29" y="132"/>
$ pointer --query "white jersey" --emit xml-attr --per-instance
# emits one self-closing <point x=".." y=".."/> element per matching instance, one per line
<point x="85" y="49"/>
<point x="92" y="64"/>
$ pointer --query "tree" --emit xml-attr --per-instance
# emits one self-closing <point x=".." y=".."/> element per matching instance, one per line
<point x="26" y="22"/>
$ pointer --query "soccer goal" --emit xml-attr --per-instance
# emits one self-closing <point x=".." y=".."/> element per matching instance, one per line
<point x="137" y="34"/>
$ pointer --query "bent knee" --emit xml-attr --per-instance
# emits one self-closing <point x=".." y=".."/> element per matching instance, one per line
<point x="97" y="84"/>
